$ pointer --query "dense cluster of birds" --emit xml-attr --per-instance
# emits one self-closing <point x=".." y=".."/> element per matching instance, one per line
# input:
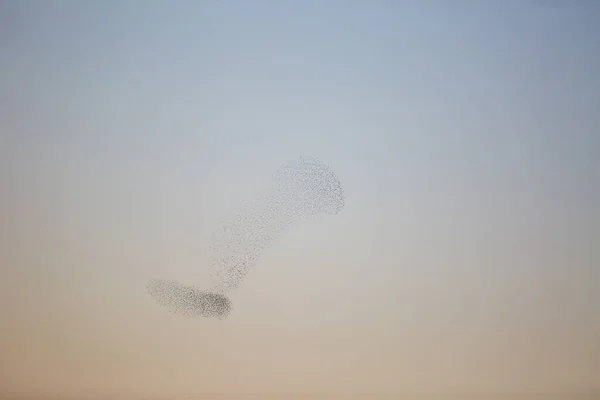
<point x="299" y="190"/>
<point x="189" y="301"/>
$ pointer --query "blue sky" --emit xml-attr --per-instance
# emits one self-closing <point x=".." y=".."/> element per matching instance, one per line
<point x="465" y="135"/>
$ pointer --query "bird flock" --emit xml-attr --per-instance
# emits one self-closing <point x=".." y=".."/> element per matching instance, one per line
<point x="300" y="189"/>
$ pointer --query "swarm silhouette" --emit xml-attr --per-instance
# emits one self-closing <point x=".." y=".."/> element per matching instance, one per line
<point x="300" y="190"/>
<point x="188" y="301"/>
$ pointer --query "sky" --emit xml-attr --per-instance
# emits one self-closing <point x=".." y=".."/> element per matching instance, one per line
<point x="465" y="136"/>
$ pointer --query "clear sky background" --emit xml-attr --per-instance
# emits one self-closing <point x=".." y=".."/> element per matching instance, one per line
<point x="466" y="136"/>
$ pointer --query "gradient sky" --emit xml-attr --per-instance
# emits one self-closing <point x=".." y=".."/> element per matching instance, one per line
<point x="466" y="136"/>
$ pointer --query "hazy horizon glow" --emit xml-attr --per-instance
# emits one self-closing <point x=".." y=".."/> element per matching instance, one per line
<point x="467" y="140"/>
